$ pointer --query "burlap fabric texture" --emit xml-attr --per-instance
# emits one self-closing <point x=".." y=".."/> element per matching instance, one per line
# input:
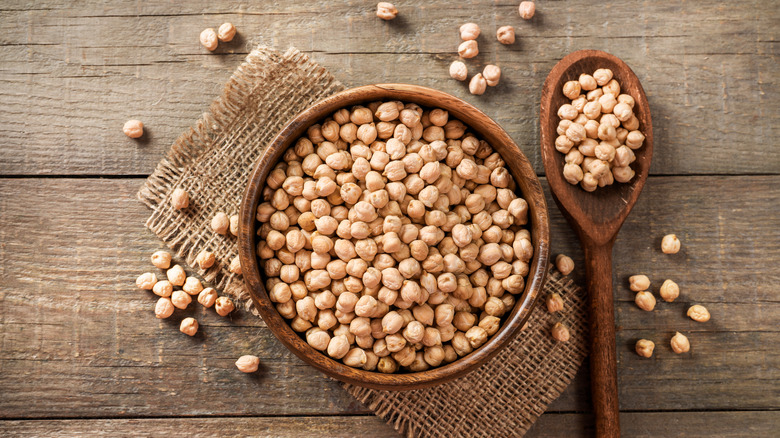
<point x="212" y="161"/>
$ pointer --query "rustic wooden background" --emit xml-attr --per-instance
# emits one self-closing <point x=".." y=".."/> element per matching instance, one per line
<point x="81" y="352"/>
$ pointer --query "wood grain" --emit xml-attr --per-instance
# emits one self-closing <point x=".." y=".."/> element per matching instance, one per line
<point x="527" y="185"/>
<point x="549" y="425"/>
<point x="72" y="74"/>
<point x="77" y="338"/>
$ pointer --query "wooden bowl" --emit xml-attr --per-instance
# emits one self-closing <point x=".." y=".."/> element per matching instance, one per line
<point x="487" y="129"/>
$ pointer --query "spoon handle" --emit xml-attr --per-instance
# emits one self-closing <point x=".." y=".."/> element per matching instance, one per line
<point x="603" y="365"/>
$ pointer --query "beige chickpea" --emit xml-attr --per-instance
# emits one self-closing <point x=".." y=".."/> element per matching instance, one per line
<point x="234" y="225"/>
<point x="645" y="301"/>
<point x="560" y="332"/>
<point x="163" y="308"/>
<point x="146" y="281"/>
<point x="670" y="244"/>
<point x="527" y="9"/>
<point x="355" y="357"/>
<point x="575" y="132"/>
<point x="163" y="288"/>
<point x="571" y="89"/>
<point x="192" y="286"/>
<point x="592" y="110"/>
<point x="623" y="174"/>
<point x="476" y="336"/>
<point x="468" y="49"/>
<point x="248" y="363"/>
<point x="478" y="84"/>
<point x="207" y="297"/>
<point x="698" y="313"/>
<point x="567" y="112"/>
<point x="464" y="320"/>
<point x="572" y="173"/>
<point x="554" y="303"/>
<point x="188" y="326"/>
<point x="644" y="347"/>
<point x="205" y="259"/>
<point x="223" y="306"/>
<point x="161" y="259"/>
<point x="564" y="264"/>
<point x="458" y="71"/>
<point x="506" y="35"/>
<point x="587" y="82"/>
<point x="604" y="152"/>
<point x="591" y="129"/>
<point x="680" y="343"/>
<point x="602" y="76"/>
<point x="395" y="342"/>
<point x="387" y="365"/>
<point x="492" y="74"/>
<point x="226" y="32"/>
<point x="623" y="157"/>
<point x="176" y="275"/>
<point x="133" y="128"/>
<point x="209" y="39"/>
<point x="279" y="221"/>
<point x="623" y="112"/>
<point x="180" y="199"/>
<point x="318" y="338"/>
<point x="669" y="291"/>
<point x="338" y="347"/>
<point x="638" y="283"/>
<point x="387" y="111"/>
<point x="627" y="99"/>
<point x="469" y="31"/>
<point x="634" y="139"/>
<point x="490" y="324"/>
<point x="606" y="132"/>
<point x="461" y="344"/>
<point x="607" y="102"/>
<point x="386" y="11"/>
<point x="612" y="87"/>
<point x="180" y="299"/>
<point x="392" y="322"/>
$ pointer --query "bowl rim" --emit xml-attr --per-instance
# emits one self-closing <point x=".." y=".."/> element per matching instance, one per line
<point x="518" y="165"/>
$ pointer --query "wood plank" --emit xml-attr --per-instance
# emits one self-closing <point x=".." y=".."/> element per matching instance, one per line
<point x="645" y="424"/>
<point x="142" y="60"/>
<point x="81" y="341"/>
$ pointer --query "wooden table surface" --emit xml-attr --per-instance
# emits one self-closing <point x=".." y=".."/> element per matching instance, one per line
<point x="81" y="352"/>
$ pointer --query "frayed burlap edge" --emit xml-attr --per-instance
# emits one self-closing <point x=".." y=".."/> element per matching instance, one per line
<point x="212" y="160"/>
<point x="505" y="396"/>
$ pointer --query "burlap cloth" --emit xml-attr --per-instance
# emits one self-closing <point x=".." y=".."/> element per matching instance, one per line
<point x="212" y="161"/>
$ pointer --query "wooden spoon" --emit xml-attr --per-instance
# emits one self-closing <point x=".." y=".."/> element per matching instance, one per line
<point x="596" y="217"/>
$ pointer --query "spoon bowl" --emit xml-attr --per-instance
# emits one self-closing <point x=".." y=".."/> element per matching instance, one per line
<point x="596" y="217"/>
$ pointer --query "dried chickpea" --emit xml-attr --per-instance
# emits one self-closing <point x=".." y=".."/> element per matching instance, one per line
<point x="133" y="128"/>
<point x="469" y="31"/>
<point x="220" y="223"/>
<point x="226" y="32"/>
<point x="638" y="283"/>
<point x="188" y="326"/>
<point x="163" y="308"/>
<point x="670" y="244"/>
<point x="180" y="199"/>
<point x="699" y="313"/>
<point x="163" y="288"/>
<point x="205" y="259"/>
<point x="192" y="286"/>
<point x="645" y="301"/>
<point x="386" y="11"/>
<point x="176" y="275"/>
<point x="208" y="39"/>
<point x="527" y="9"/>
<point x="554" y="303"/>
<point x="644" y="347"/>
<point x="505" y="35"/>
<point x="468" y="49"/>
<point x="680" y="343"/>
<point x="492" y="74"/>
<point x="146" y="281"/>
<point x="248" y="363"/>
<point x="223" y="306"/>
<point x="180" y="299"/>
<point x="669" y="291"/>
<point x="207" y="297"/>
<point x="560" y="332"/>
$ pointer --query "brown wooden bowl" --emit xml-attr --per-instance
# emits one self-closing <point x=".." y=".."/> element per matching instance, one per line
<point x="480" y="123"/>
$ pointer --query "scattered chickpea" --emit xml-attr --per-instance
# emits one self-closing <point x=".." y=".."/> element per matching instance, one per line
<point x="468" y="49"/>
<point x="208" y="39"/>
<point x="554" y="303"/>
<point x="161" y="259"/>
<point x="163" y="288"/>
<point x="133" y="128"/>
<point x="207" y="297"/>
<point x="223" y="306"/>
<point x="192" y="286"/>
<point x="248" y="363"/>
<point x="645" y="301"/>
<point x="680" y="343"/>
<point x="699" y="313"/>
<point x="386" y="11"/>
<point x="234" y="225"/>
<point x="527" y="9"/>
<point x="188" y="326"/>
<point x="644" y="347"/>
<point x="670" y="244"/>
<point x="146" y="281"/>
<point x="638" y="283"/>
<point x="458" y="71"/>
<point x="506" y="35"/>
<point x="181" y="299"/>
<point x="564" y="264"/>
<point x="560" y="332"/>
<point x="492" y="74"/>
<point x="176" y="275"/>
<point x="205" y="259"/>
<point x="220" y="223"/>
<point x="164" y="308"/>
<point x="226" y="32"/>
<point x="478" y="84"/>
<point x="235" y="265"/>
<point x="469" y="31"/>
<point x="180" y="199"/>
<point x="669" y="291"/>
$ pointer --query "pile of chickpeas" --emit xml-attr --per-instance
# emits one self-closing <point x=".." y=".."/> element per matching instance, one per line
<point x="598" y="131"/>
<point x="392" y="238"/>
